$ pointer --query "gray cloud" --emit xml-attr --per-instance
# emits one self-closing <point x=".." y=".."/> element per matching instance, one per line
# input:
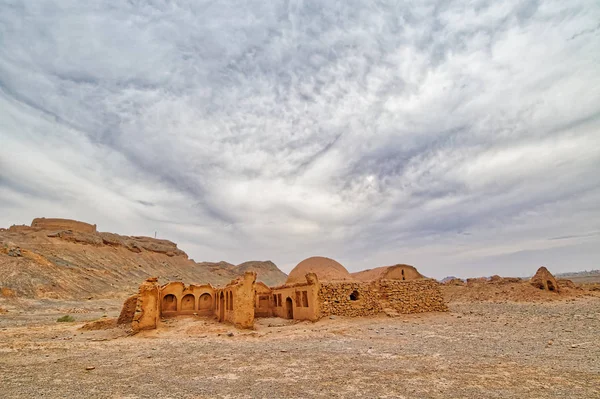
<point x="446" y="134"/>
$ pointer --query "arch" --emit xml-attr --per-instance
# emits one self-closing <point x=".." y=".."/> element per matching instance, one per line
<point x="354" y="295"/>
<point x="289" y="308"/>
<point x="205" y="302"/>
<point x="221" y="307"/>
<point x="230" y="300"/>
<point x="188" y="302"/>
<point x="169" y="303"/>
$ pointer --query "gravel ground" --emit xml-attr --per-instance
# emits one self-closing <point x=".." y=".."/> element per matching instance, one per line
<point x="478" y="350"/>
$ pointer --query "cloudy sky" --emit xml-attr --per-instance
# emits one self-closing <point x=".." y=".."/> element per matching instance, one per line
<point x="459" y="136"/>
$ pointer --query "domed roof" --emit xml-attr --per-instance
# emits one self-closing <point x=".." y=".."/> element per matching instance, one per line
<point x="326" y="270"/>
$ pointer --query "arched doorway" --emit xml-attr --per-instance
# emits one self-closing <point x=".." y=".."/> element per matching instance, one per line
<point x="169" y="303"/>
<point x="289" y="308"/>
<point x="188" y="302"/>
<point x="221" y="307"/>
<point x="205" y="302"/>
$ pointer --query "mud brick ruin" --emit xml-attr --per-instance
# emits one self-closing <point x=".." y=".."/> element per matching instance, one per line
<point x="315" y="288"/>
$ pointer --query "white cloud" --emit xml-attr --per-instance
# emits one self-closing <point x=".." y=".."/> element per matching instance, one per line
<point x="446" y="134"/>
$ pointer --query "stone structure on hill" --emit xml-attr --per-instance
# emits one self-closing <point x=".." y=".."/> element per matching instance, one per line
<point x="315" y="288"/>
<point x="544" y="280"/>
<point x="63" y="224"/>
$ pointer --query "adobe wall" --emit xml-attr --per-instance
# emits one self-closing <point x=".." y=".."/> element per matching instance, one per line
<point x="177" y="299"/>
<point x="147" y="311"/>
<point x="302" y="297"/>
<point x="400" y="272"/>
<point x="337" y="299"/>
<point x="263" y="301"/>
<point x="63" y="224"/>
<point x="128" y="310"/>
<point x="235" y="302"/>
<point x="414" y="296"/>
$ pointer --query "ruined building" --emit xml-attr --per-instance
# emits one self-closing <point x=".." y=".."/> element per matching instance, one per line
<point x="315" y="288"/>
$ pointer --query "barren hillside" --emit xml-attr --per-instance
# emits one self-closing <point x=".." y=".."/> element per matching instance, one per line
<point x="66" y="259"/>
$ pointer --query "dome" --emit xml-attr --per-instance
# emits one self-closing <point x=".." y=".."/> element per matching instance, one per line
<point x="396" y="272"/>
<point x="326" y="270"/>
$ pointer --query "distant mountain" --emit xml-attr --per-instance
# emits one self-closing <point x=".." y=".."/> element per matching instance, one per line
<point x="591" y="276"/>
<point x="61" y="258"/>
<point x="446" y="279"/>
<point x="266" y="271"/>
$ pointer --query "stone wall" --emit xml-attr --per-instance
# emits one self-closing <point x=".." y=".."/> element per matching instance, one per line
<point x="63" y="224"/>
<point x="414" y="296"/>
<point x="349" y="299"/>
<point x="363" y="299"/>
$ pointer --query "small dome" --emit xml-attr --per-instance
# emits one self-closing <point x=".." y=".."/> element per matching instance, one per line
<point x="326" y="270"/>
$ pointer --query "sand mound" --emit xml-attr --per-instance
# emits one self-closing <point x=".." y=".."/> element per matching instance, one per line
<point x="103" y="324"/>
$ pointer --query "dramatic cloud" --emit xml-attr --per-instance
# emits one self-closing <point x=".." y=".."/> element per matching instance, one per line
<point x="462" y="137"/>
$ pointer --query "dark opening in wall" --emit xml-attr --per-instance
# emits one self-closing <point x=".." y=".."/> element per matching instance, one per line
<point x="354" y="296"/>
<point x="550" y="286"/>
<point x="304" y="299"/>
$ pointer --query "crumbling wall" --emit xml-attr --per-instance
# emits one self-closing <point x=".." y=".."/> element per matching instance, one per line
<point x="237" y="306"/>
<point x="147" y="309"/>
<point x="176" y="299"/>
<point x="128" y="310"/>
<point x="414" y="296"/>
<point x="63" y="224"/>
<point x="349" y="299"/>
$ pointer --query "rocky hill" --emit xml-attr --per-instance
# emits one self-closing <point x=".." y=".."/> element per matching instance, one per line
<point x="60" y="258"/>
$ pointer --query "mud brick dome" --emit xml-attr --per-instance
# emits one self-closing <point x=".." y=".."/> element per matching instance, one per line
<point x="326" y="269"/>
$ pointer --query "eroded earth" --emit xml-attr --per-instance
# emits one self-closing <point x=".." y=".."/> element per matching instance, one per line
<point x="477" y="350"/>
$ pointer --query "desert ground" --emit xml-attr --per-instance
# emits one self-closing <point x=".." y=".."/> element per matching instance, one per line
<point x="481" y="349"/>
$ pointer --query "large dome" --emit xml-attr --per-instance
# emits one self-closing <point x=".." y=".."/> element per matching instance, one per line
<point x="326" y="270"/>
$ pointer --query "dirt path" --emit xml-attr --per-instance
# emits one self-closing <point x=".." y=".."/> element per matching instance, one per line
<point x="491" y="350"/>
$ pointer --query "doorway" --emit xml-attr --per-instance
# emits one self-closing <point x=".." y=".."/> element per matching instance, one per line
<point x="289" y="307"/>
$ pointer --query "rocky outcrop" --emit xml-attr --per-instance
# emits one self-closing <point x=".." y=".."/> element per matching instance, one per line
<point x="454" y="281"/>
<point x="63" y="224"/>
<point x="266" y="272"/>
<point x="78" y="262"/>
<point x="544" y="280"/>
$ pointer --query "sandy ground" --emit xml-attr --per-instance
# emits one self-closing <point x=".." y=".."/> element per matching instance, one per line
<point x="478" y="350"/>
